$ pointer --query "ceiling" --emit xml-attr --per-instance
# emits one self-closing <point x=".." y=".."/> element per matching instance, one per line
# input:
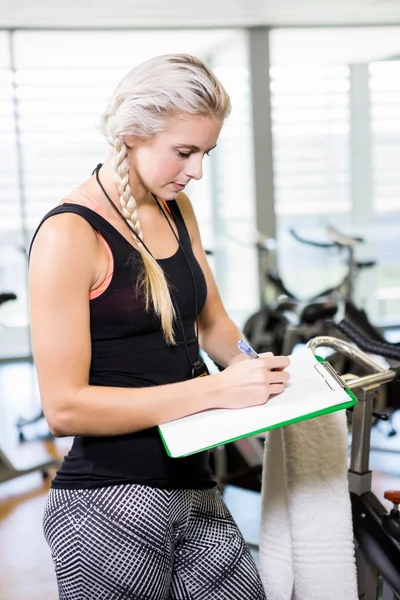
<point x="346" y="45"/>
<point x="187" y="13"/>
<point x="316" y="30"/>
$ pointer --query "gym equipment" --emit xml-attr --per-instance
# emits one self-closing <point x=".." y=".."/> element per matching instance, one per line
<point x="376" y="532"/>
<point x="18" y="462"/>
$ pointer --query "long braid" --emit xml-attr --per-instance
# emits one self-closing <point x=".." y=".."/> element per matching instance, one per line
<point x="152" y="278"/>
<point x="127" y="201"/>
<point x="141" y="107"/>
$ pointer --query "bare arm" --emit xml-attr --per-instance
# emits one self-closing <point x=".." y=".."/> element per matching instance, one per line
<point x="218" y="334"/>
<point x="62" y="271"/>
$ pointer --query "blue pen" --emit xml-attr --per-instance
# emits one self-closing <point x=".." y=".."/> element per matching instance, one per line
<point x="246" y="349"/>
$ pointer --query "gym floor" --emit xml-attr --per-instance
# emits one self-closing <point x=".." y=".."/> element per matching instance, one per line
<point x="26" y="571"/>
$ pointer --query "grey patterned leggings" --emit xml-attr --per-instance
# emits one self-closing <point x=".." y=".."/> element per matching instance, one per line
<point x="129" y="542"/>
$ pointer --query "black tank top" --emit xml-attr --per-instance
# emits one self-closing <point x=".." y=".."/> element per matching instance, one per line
<point x="128" y="350"/>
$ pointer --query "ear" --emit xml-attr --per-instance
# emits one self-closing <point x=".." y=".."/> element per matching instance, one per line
<point x="129" y="141"/>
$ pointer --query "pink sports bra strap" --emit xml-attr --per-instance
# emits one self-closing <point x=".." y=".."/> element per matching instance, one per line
<point x="84" y="199"/>
<point x="78" y="197"/>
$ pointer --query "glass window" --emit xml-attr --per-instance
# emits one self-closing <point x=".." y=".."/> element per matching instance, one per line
<point x="12" y="258"/>
<point x="385" y="129"/>
<point x="234" y="203"/>
<point x="53" y="98"/>
<point x="311" y="158"/>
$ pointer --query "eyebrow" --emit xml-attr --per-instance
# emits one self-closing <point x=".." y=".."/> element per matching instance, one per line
<point x="194" y="148"/>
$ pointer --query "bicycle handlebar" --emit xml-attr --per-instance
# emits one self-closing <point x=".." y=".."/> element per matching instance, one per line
<point x="338" y="239"/>
<point x="312" y="242"/>
<point x="384" y="349"/>
<point x="341" y="239"/>
<point x="377" y="374"/>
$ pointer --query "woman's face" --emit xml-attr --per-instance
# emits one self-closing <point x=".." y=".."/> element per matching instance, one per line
<point x="164" y="165"/>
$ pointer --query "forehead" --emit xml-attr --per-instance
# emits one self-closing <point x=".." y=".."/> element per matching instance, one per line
<point x="199" y="131"/>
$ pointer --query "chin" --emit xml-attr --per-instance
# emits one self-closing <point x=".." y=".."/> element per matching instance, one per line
<point x="169" y="195"/>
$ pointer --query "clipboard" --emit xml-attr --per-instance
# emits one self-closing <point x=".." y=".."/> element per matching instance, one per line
<point x="315" y="389"/>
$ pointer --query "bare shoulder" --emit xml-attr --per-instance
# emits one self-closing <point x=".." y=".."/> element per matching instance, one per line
<point x="65" y="242"/>
<point x="65" y="231"/>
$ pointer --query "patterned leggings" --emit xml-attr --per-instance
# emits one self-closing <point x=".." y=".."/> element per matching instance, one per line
<point x="133" y="542"/>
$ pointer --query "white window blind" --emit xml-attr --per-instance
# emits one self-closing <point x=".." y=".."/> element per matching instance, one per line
<point x="234" y="203"/>
<point x="310" y="125"/>
<point x="311" y="157"/>
<point x="63" y="83"/>
<point x="12" y="258"/>
<point x="59" y="113"/>
<point x="9" y="196"/>
<point x="58" y="89"/>
<point x="385" y="129"/>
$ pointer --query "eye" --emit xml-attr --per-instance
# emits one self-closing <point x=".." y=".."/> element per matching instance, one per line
<point x="184" y="154"/>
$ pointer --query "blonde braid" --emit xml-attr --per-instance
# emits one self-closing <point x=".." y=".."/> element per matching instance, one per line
<point x="152" y="277"/>
<point x="121" y="176"/>
<point x="141" y="107"/>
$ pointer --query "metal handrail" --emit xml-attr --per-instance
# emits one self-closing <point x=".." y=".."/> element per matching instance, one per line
<point x="365" y="386"/>
<point x="377" y="374"/>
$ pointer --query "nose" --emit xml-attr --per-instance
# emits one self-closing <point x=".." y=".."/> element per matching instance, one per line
<point x="194" y="167"/>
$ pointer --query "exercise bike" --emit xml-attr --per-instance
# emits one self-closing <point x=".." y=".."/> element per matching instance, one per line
<point x="290" y="321"/>
<point x="280" y="326"/>
<point x="8" y="468"/>
<point x="376" y="532"/>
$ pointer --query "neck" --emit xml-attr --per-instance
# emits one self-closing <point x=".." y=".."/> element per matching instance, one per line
<point x="106" y="176"/>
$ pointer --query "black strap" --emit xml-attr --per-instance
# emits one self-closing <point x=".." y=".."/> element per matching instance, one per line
<point x="196" y="363"/>
<point x="96" y="171"/>
<point x="189" y="265"/>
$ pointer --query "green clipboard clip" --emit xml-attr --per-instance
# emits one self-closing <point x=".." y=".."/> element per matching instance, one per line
<point x="332" y="378"/>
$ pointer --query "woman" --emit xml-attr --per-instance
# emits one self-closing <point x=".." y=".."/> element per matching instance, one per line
<point x="119" y="288"/>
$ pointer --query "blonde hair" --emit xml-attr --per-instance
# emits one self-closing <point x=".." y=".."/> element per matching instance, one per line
<point x="142" y="106"/>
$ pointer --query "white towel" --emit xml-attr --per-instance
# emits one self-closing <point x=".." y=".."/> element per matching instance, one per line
<point x="306" y="538"/>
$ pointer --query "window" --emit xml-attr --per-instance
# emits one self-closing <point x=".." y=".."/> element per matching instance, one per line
<point x="311" y="156"/>
<point x="12" y="258"/>
<point x="54" y="87"/>
<point x="385" y="129"/>
<point x="234" y="204"/>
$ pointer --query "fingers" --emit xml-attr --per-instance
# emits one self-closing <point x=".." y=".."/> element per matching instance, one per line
<point x="276" y="363"/>
<point x="276" y="388"/>
<point x="265" y="354"/>
<point x="275" y="377"/>
<point x="279" y="362"/>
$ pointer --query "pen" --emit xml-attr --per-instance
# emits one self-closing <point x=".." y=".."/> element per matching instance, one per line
<point x="246" y="349"/>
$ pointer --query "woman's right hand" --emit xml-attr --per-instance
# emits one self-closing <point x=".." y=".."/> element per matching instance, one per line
<point x="251" y="382"/>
